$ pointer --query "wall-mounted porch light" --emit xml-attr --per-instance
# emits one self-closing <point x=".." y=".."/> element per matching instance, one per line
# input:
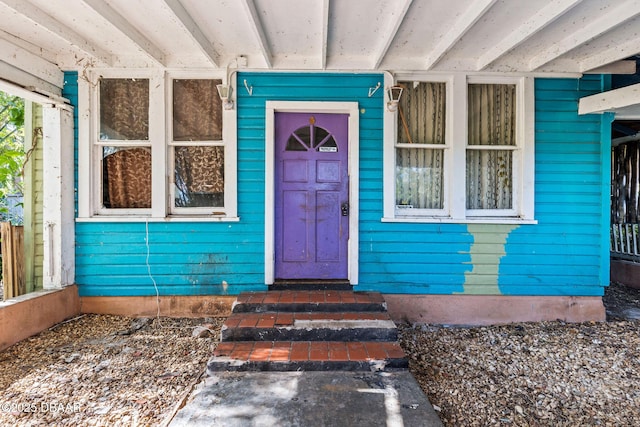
<point x="394" y="93"/>
<point x="225" y="91"/>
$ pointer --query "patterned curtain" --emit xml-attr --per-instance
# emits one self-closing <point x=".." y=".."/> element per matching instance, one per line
<point x="124" y="109"/>
<point x="199" y="176"/>
<point x="492" y="122"/>
<point x="124" y="116"/>
<point x="419" y="171"/>
<point x="199" y="169"/>
<point x="126" y="177"/>
<point x="197" y="110"/>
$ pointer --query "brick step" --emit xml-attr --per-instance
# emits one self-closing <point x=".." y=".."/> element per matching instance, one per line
<point x="310" y="330"/>
<point x="309" y="326"/>
<point x="307" y="301"/>
<point x="307" y="356"/>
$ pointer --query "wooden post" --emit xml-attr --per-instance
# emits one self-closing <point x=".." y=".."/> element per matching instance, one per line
<point x="19" y="284"/>
<point x="12" y="260"/>
<point x="58" y="203"/>
<point x="7" y="273"/>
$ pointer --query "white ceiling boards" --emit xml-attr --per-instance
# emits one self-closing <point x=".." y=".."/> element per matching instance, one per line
<point x="553" y="36"/>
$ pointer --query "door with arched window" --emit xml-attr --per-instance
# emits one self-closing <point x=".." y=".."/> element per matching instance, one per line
<point x="311" y="196"/>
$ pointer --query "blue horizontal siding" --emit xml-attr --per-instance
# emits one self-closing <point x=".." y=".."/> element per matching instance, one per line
<point x="566" y="246"/>
<point x="561" y="255"/>
<point x="181" y="258"/>
<point x="196" y="258"/>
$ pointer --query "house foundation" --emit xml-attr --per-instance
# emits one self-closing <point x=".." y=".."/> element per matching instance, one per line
<point x="435" y="309"/>
<point x="492" y="309"/>
<point x="168" y="306"/>
<point x="29" y="314"/>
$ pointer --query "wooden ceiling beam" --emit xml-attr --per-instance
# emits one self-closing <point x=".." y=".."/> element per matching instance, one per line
<point x="194" y="31"/>
<point x="127" y="29"/>
<point x="324" y="34"/>
<point x="47" y="55"/>
<point x="45" y="21"/>
<point x="611" y="100"/>
<point x="599" y="26"/>
<point x="258" y="31"/>
<point x="466" y="21"/>
<point x="622" y="50"/>
<point x="30" y="63"/>
<point x="619" y="67"/>
<point x="391" y="34"/>
<point x="536" y="23"/>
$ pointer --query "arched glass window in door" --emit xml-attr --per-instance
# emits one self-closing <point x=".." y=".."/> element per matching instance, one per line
<point x="312" y="137"/>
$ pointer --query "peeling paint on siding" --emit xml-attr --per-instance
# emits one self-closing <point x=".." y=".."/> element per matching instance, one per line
<point x="487" y="249"/>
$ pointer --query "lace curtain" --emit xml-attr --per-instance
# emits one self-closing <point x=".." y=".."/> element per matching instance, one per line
<point x="419" y="170"/>
<point x="492" y="122"/>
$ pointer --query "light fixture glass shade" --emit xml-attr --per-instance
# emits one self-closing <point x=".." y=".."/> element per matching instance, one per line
<point x="223" y="91"/>
<point x="394" y="93"/>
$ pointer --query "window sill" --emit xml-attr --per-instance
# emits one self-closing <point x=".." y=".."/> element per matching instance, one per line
<point x="447" y="220"/>
<point x="190" y="218"/>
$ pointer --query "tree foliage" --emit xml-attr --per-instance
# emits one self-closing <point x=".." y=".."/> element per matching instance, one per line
<point x="12" y="153"/>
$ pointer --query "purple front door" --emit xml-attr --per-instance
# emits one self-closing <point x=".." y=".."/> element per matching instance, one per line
<point x="311" y="196"/>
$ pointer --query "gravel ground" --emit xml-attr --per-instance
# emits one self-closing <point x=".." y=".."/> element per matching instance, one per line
<point x="107" y="370"/>
<point x="104" y="371"/>
<point x="533" y="374"/>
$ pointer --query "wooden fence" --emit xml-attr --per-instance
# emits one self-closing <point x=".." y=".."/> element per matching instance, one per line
<point x="13" y="276"/>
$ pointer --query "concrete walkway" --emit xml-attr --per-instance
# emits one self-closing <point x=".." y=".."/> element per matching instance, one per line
<point x="308" y="399"/>
<point x="308" y="358"/>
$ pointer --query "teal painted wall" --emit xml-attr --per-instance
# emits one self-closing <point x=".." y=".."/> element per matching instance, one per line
<point x="561" y="255"/>
<point x="567" y="253"/>
<point x="196" y="258"/>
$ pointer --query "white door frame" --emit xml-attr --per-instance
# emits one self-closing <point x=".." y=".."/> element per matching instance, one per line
<point x="350" y="108"/>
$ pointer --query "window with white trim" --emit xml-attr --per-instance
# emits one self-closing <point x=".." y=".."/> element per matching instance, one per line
<point x="420" y="149"/>
<point x="196" y="147"/>
<point x="461" y="150"/>
<point x="491" y="144"/>
<point x="123" y="147"/>
<point x="143" y="165"/>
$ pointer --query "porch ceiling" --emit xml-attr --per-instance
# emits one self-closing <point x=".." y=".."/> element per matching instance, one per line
<point x="546" y="36"/>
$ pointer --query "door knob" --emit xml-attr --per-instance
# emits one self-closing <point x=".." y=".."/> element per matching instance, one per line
<point x="345" y="209"/>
